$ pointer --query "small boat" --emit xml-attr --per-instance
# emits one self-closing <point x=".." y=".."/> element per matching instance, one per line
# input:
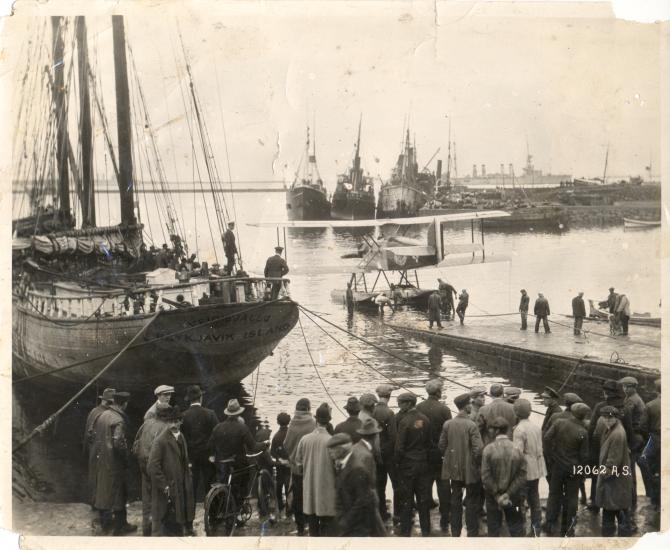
<point x="630" y="223"/>
<point x="644" y="319"/>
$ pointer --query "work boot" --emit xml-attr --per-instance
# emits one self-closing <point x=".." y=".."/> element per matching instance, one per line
<point x="146" y="531"/>
<point x="124" y="529"/>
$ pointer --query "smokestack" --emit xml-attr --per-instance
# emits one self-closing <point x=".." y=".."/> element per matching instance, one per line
<point x="483" y="170"/>
<point x="438" y="173"/>
<point x="511" y="169"/>
<point x="502" y="168"/>
<point x="474" y="170"/>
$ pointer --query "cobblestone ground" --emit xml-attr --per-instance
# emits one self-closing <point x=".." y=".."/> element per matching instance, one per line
<point x="41" y="518"/>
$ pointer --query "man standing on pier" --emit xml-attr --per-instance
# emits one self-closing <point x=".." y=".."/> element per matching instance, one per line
<point x="386" y="420"/>
<point x="230" y="247"/>
<point x="447" y="295"/>
<point x="634" y="405"/>
<point x="623" y="313"/>
<point x="498" y="407"/>
<point x="275" y="268"/>
<point x="351" y="424"/>
<point x="163" y="394"/>
<point x="578" y="312"/>
<point x="541" y="312"/>
<point x="463" y="300"/>
<point x="106" y="401"/>
<point x="523" y="309"/>
<point x="434" y="305"/>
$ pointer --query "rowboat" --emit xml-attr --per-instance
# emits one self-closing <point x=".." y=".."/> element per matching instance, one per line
<point x="630" y="223"/>
<point x="644" y="319"/>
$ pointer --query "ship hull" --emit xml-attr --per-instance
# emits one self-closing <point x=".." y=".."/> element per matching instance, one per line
<point x="209" y="345"/>
<point x="400" y="201"/>
<point x="353" y="206"/>
<point x="305" y="203"/>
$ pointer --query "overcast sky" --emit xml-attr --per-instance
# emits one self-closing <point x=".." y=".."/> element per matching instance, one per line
<point x="570" y="85"/>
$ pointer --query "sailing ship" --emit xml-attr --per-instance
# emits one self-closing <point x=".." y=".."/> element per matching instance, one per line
<point x="307" y="198"/>
<point x="408" y="189"/>
<point x="84" y="301"/>
<point x="354" y="196"/>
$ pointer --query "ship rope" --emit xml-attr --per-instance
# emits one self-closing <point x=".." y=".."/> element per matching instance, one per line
<point x="51" y="419"/>
<point x="316" y="370"/>
<point x="141" y="344"/>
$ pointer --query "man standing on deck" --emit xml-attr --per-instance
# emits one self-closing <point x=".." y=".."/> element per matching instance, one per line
<point x="111" y="491"/>
<point x="438" y="413"/>
<point x="447" y="295"/>
<point x="523" y="309"/>
<point x="106" y="401"/>
<point x="386" y="420"/>
<point x="578" y="312"/>
<point x="230" y="247"/>
<point x="163" y="395"/>
<point x="434" y="305"/>
<point x="541" y="312"/>
<point x="349" y="299"/>
<point x="463" y="300"/>
<point x="275" y="268"/>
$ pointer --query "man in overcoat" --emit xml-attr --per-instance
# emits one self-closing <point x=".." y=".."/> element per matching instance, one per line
<point x="542" y="312"/>
<point x="352" y="423"/>
<point x="275" y="268"/>
<point x="106" y="401"/>
<point x="230" y="247"/>
<point x="111" y="492"/>
<point x="386" y="420"/>
<point x="578" y="312"/>
<point x="461" y="445"/>
<point x="523" y="309"/>
<point x="356" y="506"/>
<point x="434" y="309"/>
<point x="498" y="407"/>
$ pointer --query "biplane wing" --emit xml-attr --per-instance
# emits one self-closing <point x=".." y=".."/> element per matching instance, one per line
<point x="416" y="220"/>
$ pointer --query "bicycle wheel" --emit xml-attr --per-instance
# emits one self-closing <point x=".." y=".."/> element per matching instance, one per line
<point x="267" y="496"/>
<point x="219" y="511"/>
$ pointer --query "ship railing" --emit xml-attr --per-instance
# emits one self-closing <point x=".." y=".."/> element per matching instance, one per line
<point x="161" y="297"/>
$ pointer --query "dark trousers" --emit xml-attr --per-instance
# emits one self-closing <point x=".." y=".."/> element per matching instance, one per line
<point x="545" y="322"/>
<point x="524" y="320"/>
<point x="385" y="472"/>
<point x="610" y="520"/>
<point x="563" y="492"/>
<point x="513" y="516"/>
<point x="472" y="508"/>
<point x="443" y="493"/>
<point x="579" y="321"/>
<point x="320" y="526"/>
<point x="447" y="306"/>
<point x="460" y="311"/>
<point x="650" y="466"/>
<point x="283" y="480"/>
<point x="201" y="468"/>
<point x="533" y="501"/>
<point x="300" y="518"/>
<point x="276" y="287"/>
<point x="146" y="502"/>
<point x="624" y="324"/>
<point x="414" y="482"/>
<point x="112" y="520"/>
<point x="230" y="263"/>
<point x="434" y="317"/>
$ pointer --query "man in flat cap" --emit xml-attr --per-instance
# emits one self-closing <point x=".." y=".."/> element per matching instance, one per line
<point x="318" y="490"/>
<point x="197" y="426"/>
<point x="163" y="394"/>
<point x="650" y="459"/>
<point x="542" y="312"/>
<point x="172" y="503"/>
<point x="275" y="268"/>
<point x="281" y="457"/>
<point x="230" y="247"/>
<point x="568" y="442"/>
<point x="411" y="456"/>
<point x="111" y="494"/>
<point x="523" y="309"/>
<point x="569" y="399"/>
<point x="352" y="423"/>
<point x="511" y="394"/>
<point x="550" y="400"/>
<point x="438" y="413"/>
<point x="504" y="481"/>
<point x="461" y="446"/>
<point x="368" y="401"/>
<point x="356" y="506"/>
<point x="527" y="437"/>
<point x="578" y="313"/>
<point x="634" y="405"/>
<point x="498" y="407"/>
<point x="106" y="401"/>
<point x="615" y="483"/>
<point x="386" y="420"/>
<point x="478" y="400"/>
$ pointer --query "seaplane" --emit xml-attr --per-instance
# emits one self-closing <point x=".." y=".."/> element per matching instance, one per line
<point x="393" y="253"/>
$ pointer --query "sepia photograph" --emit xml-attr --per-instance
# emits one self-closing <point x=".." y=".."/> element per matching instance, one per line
<point x="333" y="269"/>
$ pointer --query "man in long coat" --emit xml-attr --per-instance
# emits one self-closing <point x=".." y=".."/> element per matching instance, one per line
<point x="578" y="312"/>
<point x="615" y="483"/>
<point x="275" y="268"/>
<point x="144" y="440"/>
<point x="634" y="405"/>
<point x="461" y="446"/>
<point x="172" y="502"/>
<point x="230" y="247"/>
<point x="438" y="413"/>
<point x="550" y="399"/>
<point x="542" y="312"/>
<point x="356" y="506"/>
<point x="318" y="472"/>
<point x="106" y="401"/>
<point x="434" y="309"/>
<point x="523" y="309"/>
<point x="386" y="420"/>
<point x="111" y="490"/>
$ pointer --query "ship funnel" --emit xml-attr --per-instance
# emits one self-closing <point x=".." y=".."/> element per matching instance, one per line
<point x="438" y="172"/>
<point x="511" y="169"/>
<point x="483" y="170"/>
<point x="474" y="170"/>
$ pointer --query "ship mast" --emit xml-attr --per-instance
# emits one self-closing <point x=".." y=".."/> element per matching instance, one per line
<point x="357" y="159"/>
<point x="125" y="180"/>
<point x="607" y="154"/>
<point x="88" y="194"/>
<point x="61" y="120"/>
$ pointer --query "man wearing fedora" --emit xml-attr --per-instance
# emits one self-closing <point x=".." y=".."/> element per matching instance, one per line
<point x="197" y="426"/>
<point x="230" y="247"/>
<point x="365" y="448"/>
<point x="172" y="502"/>
<point x="144" y="439"/>
<point x="106" y="401"/>
<point x="233" y="439"/>
<point x="163" y="394"/>
<point x="275" y="268"/>
<point x="318" y="476"/>
<point x="111" y="490"/>
<point x="356" y="506"/>
<point x="352" y="423"/>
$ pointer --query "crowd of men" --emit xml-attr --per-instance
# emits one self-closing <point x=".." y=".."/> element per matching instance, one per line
<point x="487" y="460"/>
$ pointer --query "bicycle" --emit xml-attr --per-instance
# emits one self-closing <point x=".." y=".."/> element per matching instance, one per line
<point x="223" y="514"/>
